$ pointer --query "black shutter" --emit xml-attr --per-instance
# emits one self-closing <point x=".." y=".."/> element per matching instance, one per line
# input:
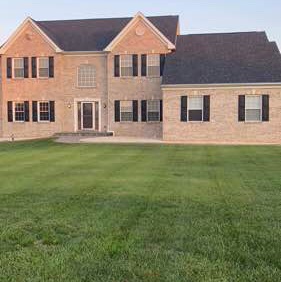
<point x="10" y="111"/>
<point x="135" y="111"/>
<point x="34" y="111"/>
<point x="9" y="67"/>
<point x="116" y="65"/>
<point x="34" y="67"/>
<point x="241" y="108"/>
<point x="265" y="107"/>
<point x="143" y="110"/>
<point x="162" y="63"/>
<point x="206" y="108"/>
<point x="161" y="110"/>
<point x="143" y="65"/>
<point x="135" y="65"/>
<point x="183" y="108"/>
<point x="25" y="64"/>
<point x="52" y="111"/>
<point x="117" y="110"/>
<point x="26" y="111"/>
<point x="51" y="67"/>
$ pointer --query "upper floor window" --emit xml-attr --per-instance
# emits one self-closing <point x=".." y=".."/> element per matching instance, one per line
<point x="43" y="67"/>
<point x="19" y="111"/>
<point x="153" y="65"/>
<point x="86" y="76"/>
<point x="253" y="108"/>
<point x="126" y="65"/>
<point x="18" y="67"/>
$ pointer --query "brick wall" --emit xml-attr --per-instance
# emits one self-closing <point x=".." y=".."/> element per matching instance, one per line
<point x="223" y="126"/>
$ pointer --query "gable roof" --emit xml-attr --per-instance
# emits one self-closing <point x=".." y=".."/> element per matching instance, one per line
<point x="19" y="30"/>
<point x="245" y="57"/>
<point x="97" y="34"/>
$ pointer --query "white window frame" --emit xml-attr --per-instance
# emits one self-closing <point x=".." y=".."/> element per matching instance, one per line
<point x="38" y="111"/>
<point x="188" y="107"/>
<point x="132" y="66"/>
<point x="147" y="111"/>
<point x="14" y="68"/>
<point x="95" y="76"/>
<point x="131" y="102"/>
<point x="14" y="111"/>
<point x="260" y="109"/>
<point x="147" y="65"/>
<point x="38" y="67"/>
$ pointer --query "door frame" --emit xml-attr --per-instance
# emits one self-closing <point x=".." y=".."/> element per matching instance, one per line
<point x="85" y="100"/>
<point x="93" y="115"/>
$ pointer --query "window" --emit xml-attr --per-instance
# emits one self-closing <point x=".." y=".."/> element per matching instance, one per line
<point x="153" y="65"/>
<point x="18" y="68"/>
<point x="43" y="70"/>
<point x="253" y="108"/>
<point x="19" y="111"/>
<point x="44" y="111"/>
<point x="126" y="110"/>
<point x="86" y="76"/>
<point x="195" y="108"/>
<point x="153" y="110"/>
<point x="126" y="65"/>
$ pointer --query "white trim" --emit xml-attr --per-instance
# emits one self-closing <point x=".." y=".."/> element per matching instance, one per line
<point x="13" y="68"/>
<point x="20" y="29"/>
<point x="147" y="66"/>
<point x="261" y="108"/>
<point x="120" y="67"/>
<point x="183" y="87"/>
<point x="75" y="108"/>
<point x="126" y="29"/>
<point x="202" y="107"/>
<point x="14" y="111"/>
<point x="38" y="111"/>
<point x="38" y="67"/>
<point x="159" y="111"/>
<point x="95" y="81"/>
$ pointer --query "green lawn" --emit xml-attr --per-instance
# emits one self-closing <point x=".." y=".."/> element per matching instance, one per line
<point x="123" y="213"/>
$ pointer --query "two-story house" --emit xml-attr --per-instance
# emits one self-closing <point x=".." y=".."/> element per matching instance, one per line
<point x="139" y="77"/>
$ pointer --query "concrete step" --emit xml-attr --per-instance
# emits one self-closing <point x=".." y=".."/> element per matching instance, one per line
<point x="89" y="133"/>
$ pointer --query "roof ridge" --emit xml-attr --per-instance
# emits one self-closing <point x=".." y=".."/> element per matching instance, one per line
<point x="219" y="33"/>
<point x="117" y="18"/>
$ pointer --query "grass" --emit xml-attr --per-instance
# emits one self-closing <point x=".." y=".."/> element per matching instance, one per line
<point x="125" y="213"/>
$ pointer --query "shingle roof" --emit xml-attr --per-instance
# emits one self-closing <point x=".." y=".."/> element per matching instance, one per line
<point x="223" y="58"/>
<point x="96" y="34"/>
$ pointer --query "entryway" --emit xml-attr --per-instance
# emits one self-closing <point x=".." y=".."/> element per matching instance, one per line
<point x="87" y="115"/>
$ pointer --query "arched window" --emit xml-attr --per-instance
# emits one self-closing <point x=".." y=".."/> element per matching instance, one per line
<point x="86" y="76"/>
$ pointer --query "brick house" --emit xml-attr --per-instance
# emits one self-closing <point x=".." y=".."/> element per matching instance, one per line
<point x="139" y="77"/>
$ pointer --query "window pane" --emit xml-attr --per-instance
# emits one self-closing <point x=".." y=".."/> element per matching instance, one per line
<point x="195" y="103"/>
<point x="87" y="76"/>
<point x="153" y="110"/>
<point x="195" y="115"/>
<point x="253" y="102"/>
<point x="19" y="112"/>
<point x="18" y="68"/>
<point x="253" y="115"/>
<point x="44" y="111"/>
<point x="153" y="65"/>
<point x="44" y="67"/>
<point x="126" y="109"/>
<point x="126" y="65"/>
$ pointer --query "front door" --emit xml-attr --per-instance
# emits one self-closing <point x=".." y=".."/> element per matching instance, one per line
<point x="87" y="116"/>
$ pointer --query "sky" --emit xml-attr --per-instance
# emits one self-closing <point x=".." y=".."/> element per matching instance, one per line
<point x="196" y="16"/>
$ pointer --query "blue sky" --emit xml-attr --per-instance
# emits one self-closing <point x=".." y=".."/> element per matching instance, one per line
<point x="196" y="16"/>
